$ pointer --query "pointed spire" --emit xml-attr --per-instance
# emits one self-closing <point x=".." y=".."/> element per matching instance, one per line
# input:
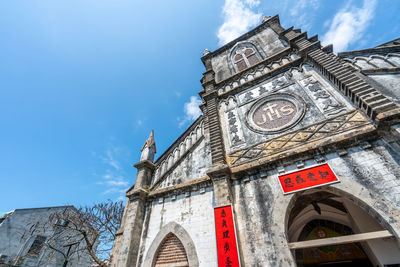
<point x="149" y="148"/>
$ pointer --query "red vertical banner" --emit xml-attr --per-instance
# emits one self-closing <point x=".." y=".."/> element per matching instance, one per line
<point x="226" y="237"/>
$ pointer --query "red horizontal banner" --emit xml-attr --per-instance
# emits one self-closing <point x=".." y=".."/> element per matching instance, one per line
<point x="226" y="238"/>
<point x="307" y="178"/>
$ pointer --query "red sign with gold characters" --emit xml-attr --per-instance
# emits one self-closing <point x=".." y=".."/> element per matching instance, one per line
<point x="307" y="178"/>
<point x="226" y="237"/>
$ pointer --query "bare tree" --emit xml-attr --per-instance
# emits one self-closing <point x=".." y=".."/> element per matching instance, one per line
<point x="64" y="236"/>
<point x="92" y="227"/>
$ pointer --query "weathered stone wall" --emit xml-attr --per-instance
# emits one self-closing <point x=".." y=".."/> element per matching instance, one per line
<point x="388" y="84"/>
<point x="194" y="214"/>
<point x="369" y="178"/>
<point x="193" y="166"/>
<point x="18" y="232"/>
<point x="267" y="40"/>
<point x="380" y="66"/>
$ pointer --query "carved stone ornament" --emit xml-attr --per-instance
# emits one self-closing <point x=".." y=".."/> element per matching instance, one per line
<point x="326" y="129"/>
<point x="275" y="113"/>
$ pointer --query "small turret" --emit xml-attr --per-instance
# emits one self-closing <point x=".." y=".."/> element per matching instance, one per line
<point x="149" y="148"/>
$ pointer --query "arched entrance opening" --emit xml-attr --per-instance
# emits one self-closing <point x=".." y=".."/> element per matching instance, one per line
<point x="171" y="253"/>
<point x="328" y="229"/>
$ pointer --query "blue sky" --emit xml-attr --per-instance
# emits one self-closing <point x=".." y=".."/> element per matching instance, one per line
<point x="83" y="82"/>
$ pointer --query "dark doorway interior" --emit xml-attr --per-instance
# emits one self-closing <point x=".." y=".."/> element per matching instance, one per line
<point x="351" y="254"/>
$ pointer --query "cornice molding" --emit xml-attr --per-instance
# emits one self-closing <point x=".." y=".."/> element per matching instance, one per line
<point x="247" y="84"/>
<point x="193" y="185"/>
<point x="136" y="194"/>
<point x="144" y="164"/>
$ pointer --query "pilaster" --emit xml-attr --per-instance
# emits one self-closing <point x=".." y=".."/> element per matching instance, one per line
<point x="210" y="97"/>
<point x="128" y="237"/>
<point x="130" y="234"/>
<point x="220" y="176"/>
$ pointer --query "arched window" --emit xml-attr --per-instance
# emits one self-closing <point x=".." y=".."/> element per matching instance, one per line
<point x="244" y="55"/>
<point x="171" y="253"/>
<point x="245" y="58"/>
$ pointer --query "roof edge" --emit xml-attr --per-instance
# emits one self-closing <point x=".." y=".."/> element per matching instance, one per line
<point x="179" y="139"/>
<point x="265" y="24"/>
<point x="51" y="207"/>
<point x="361" y="52"/>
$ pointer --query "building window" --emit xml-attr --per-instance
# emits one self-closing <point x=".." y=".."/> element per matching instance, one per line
<point x="36" y="246"/>
<point x="245" y="55"/>
<point x="245" y="58"/>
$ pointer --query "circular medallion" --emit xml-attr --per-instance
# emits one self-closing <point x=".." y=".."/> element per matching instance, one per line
<point x="275" y="113"/>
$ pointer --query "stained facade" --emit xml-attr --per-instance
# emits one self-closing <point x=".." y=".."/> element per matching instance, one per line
<point x="276" y="104"/>
<point x="23" y="237"/>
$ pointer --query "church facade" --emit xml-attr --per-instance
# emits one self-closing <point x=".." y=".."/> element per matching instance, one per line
<point x="294" y="162"/>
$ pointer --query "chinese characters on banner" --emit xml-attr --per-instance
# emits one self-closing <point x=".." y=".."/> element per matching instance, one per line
<point x="307" y="178"/>
<point x="226" y="237"/>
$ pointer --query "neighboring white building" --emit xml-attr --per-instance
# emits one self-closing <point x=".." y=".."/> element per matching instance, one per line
<point x="23" y="233"/>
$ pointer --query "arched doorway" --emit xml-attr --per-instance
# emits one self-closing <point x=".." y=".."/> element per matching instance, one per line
<point x="325" y="228"/>
<point x="171" y="253"/>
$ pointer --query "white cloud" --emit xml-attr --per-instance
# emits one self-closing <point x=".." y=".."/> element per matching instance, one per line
<point x="110" y="160"/>
<point x="299" y="6"/>
<point x="191" y="109"/>
<point x="113" y="178"/>
<point x="114" y="190"/>
<point x="117" y="183"/>
<point x="302" y="13"/>
<point x="178" y="94"/>
<point x="349" y="25"/>
<point x="238" y="18"/>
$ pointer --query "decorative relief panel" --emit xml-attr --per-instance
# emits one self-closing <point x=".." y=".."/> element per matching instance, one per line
<point x="323" y="99"/>
<point x="292" y="100"/>
<point x="275" y="113"/>
<point x="323" y="129"/>
<point x="271" y="86"/>
<point x="235" y="131"/>
<point x="235" y="128"/>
